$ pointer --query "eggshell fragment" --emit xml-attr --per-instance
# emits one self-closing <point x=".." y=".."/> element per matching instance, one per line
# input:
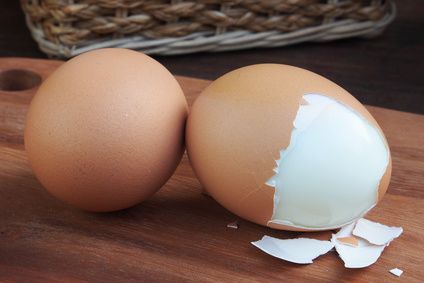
<point x="300" y="250"/>
<point x="233" y="225"/>
<point x="350" y="241"/>
<point x="355" y="252"/>
<point x="376" y="233"/>
<point x="396" y="271"/>
<point x="365" y="254"/>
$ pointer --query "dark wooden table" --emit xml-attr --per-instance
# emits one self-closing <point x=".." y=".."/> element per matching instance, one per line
<point x="386" y="71"/>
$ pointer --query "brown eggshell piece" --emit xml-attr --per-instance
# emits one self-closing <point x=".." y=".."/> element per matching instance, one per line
<point x="240" y="123"/>
<point x="106" y="129"/>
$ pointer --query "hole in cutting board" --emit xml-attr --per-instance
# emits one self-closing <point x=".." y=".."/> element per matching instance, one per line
<point x="18" y="79"/>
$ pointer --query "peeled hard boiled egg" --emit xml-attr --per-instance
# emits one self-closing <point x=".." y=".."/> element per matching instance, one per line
<point x="106" y="129"/>
<point x="287" y="148"/>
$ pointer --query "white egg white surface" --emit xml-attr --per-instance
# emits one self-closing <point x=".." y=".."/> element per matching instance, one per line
<point x="329" y="174"/>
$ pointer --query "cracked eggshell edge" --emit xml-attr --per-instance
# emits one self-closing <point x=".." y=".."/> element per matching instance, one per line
<point x="248" y="104"/>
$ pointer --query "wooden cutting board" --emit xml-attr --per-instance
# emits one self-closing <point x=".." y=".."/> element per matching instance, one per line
<point x="179" y="234"/>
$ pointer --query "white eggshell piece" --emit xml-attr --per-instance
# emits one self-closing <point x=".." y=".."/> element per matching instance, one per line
<point x="396" y="271"/>
<point x="300" y="250"/>
<point x="376" y="233"/>
<point x="365" y="254"/>
<point x="233" y="225"/>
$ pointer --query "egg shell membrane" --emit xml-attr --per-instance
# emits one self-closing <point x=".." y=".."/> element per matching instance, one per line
<point x="106" y="129"/>
<point x="252" y="109"/>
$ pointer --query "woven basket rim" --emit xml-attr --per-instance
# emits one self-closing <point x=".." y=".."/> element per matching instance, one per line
<point x="211" y="41"/>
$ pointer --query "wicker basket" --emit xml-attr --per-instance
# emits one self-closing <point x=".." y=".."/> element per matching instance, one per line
<point x="65" y="28"/>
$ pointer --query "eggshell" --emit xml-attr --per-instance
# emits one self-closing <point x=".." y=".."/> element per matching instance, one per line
<point x="106" y="129"/>
<point x="239" y="124"/>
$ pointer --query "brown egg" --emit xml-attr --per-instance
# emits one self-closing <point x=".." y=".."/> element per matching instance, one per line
<point x="106" y="129"/>
<point x="287" y="148"/>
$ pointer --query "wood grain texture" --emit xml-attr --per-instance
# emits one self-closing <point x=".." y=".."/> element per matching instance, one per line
<point x="180" y="234"/>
